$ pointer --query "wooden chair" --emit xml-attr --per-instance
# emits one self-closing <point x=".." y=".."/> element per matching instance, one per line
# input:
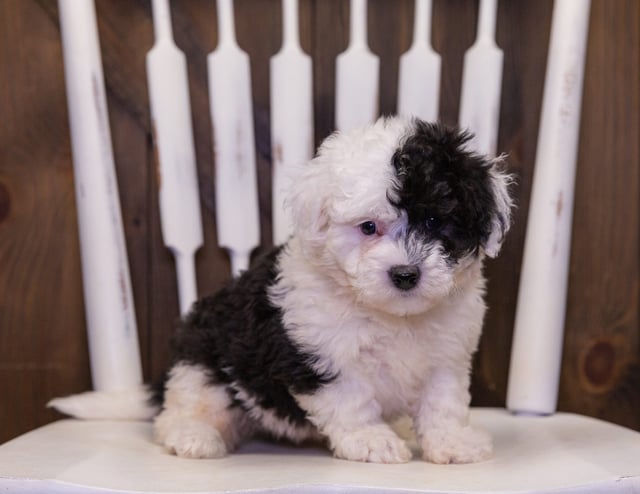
<point x="536" y="449"/>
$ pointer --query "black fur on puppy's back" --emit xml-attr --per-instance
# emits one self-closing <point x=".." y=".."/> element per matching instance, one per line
<point x="444" y="188"/>
<point x="238" y="336"/>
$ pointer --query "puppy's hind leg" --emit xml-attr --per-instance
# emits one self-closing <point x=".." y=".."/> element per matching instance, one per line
<point x="198" y="419"/>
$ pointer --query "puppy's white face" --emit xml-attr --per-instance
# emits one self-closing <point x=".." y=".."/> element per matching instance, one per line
<point x="399" y="213"/>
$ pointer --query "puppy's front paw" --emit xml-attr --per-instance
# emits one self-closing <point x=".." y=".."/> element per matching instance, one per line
<point x="376" y="444"/>
<point x="459" y="445"/>
<point x="194" y="440"/>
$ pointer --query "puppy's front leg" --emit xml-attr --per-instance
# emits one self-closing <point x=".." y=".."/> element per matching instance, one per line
<point x="442" y="421"/>
<point x="347" y="413"/>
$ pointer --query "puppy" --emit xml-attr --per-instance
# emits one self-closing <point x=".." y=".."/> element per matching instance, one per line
<point x="371" y="311"/>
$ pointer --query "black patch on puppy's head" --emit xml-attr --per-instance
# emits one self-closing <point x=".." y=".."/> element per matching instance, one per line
<point x="445" y="190"/>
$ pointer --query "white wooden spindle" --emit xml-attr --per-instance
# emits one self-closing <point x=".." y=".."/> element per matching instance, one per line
<point x="232" y="118"/>
<point x="419" y="72"/>
<point x="179" y="196"/>
<point x="357" y="74"/>
<point x="109" y="308"/>
<point x="539" y="327"/>
<point x="482" y="83"/>
<point x="291" y="114"/>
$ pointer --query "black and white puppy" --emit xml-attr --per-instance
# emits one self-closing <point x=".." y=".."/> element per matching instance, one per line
<point x="371" y="311"/>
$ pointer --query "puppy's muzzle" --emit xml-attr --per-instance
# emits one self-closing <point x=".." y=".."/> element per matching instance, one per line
<point x="405" y="277"/>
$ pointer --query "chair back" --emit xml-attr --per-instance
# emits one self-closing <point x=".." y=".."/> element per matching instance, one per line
<point x="298" y="118"/>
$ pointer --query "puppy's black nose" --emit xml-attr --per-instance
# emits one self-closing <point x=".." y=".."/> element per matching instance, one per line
<point x="405" y="277"/>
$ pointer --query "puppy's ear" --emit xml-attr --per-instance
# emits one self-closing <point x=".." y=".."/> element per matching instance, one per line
<point x="500" y="183"/>
<point x="307" y="201"/>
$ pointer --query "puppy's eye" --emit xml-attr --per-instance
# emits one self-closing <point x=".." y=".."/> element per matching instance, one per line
<point x="368" y="228"/>
<point x="433" y="223"/>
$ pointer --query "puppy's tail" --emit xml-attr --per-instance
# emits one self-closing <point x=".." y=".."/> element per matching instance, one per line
<point x="131" y="404"/>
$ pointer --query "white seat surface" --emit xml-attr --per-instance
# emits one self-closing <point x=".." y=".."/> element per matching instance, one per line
<point x="563" y="453"/>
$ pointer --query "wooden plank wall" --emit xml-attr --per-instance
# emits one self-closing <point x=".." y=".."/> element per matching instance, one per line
<point x="42" y="334"/>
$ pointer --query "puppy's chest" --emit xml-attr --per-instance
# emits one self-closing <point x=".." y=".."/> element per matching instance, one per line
<point x="396" y="365"/>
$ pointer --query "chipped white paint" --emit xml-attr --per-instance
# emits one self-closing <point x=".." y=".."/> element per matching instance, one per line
<point x="234" y="144"/>
<point x="419" y="73"/>
<point x="179" y="195"/>
<point x="539" y="326"/>
<point x="482" y="83"/>
<point x="291" y="114"/>
<point x="109" y="309"/>
<point x="357" y="75"/>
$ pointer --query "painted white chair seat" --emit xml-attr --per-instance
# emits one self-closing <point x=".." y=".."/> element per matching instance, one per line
<point x="563" y="452"/>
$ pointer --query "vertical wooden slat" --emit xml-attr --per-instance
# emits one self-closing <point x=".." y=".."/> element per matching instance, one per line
<point x="111" y="322"/>
<point x="195" y="34"/>
<point x="234" y="143"/>
<point x="291" y="115"/>
<point x="539" y="327"/>
<point x="419" y="72"/>
<point x="176" y="165"/>
<point x="482" y="83"/>
<point x="357" y="74"/>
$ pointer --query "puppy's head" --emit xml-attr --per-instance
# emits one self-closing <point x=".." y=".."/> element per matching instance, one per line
<point x="400" y="213"/>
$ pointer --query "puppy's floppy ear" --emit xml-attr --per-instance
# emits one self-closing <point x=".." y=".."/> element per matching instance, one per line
<point x="500" y="182"/>
<point x="307" y="201"/>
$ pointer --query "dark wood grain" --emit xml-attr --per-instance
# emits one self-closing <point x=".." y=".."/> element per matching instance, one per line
<point x="43" y="347"/>
<point x="601" y="372"/>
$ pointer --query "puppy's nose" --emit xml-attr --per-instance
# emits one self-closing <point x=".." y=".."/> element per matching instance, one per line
<point x="404" y="277"/>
